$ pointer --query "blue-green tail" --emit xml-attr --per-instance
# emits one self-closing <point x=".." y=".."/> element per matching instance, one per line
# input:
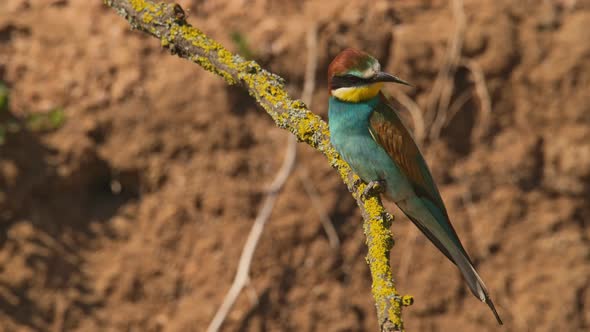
<point x="440" y="232"/>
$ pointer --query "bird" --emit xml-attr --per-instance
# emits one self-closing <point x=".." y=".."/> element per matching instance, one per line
<point x="369" y="135"/>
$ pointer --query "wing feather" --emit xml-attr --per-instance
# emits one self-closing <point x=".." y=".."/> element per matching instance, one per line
<point x="388" y="130"/>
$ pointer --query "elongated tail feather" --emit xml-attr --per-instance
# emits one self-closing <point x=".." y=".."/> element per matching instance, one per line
<point x="478" y="288"/>
<point x="425" y="218"/>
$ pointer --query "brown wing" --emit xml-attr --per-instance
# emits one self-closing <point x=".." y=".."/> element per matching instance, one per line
<point x="389" y="131"/>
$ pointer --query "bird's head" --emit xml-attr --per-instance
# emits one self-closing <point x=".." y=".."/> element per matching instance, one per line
<point x="355" y="76"/>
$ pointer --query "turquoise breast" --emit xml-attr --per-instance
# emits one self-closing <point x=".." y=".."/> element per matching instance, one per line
<point x="349" y="132"/>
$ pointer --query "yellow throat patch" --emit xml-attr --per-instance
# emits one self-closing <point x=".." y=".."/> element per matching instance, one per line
<point x="357" y="94"/>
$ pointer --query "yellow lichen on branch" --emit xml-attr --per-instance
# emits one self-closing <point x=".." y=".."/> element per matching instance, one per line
<point x="167" y="23"/>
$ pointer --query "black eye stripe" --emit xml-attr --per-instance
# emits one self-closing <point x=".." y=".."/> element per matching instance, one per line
<point x="344" y="81"/>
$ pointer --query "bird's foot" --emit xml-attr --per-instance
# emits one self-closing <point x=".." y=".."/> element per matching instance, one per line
<point x="374" y="188"/>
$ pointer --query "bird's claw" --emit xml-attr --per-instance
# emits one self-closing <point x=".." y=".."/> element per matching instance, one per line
<point x="374" y="188"/>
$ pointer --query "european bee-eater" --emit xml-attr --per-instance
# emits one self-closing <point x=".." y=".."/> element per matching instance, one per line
<point x="371" y="138"/>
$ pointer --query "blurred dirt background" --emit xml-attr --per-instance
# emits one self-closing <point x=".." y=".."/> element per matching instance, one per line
<point x="131" y="215"/>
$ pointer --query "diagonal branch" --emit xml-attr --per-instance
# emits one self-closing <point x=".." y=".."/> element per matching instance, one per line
<point x="167" y="23"/>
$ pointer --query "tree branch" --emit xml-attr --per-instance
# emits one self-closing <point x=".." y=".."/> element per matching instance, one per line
<point x="167" y="23"/>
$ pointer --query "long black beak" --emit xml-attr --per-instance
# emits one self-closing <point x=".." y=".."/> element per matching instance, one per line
<point x="385" y="77"/>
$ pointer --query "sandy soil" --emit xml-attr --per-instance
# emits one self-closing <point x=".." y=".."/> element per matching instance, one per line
<point x="132" y="215"/>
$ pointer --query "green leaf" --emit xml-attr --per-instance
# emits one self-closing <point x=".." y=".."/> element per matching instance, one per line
<point x="4" y="97"/>
<point x="51" y="120"/>
<point x="242" y="45"/>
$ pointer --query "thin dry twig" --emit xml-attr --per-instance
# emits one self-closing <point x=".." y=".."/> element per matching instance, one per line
<point x="311" y="64"/>
<point x="442" y="90"/>
<point x="327" y="223"/>
<point x="483" y="96"/>
<point x="415" y="113"/>
<point x="60" y="312"/>
<point x="457" y="105"/>
<point x="243" y="274"/>
<point x="482" y="123"/>
<point x="441" y="110"/>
